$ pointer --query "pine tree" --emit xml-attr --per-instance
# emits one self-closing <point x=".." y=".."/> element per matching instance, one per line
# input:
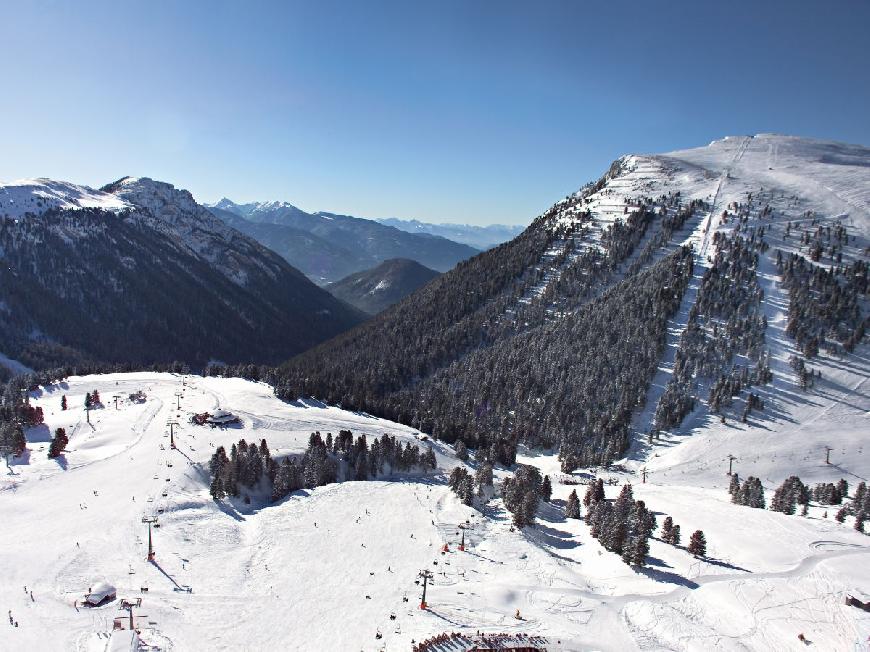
<point x="546" y="489"/>
<point x="860" y="517"/>
<point x="88" y="401"/>
<point x="667" y="526"/>
<point x="843" y="488"/>
<point x="734" y="487"/>
<point x="840" y="516"/>
<point x="572" y="507"/>
<point x="674" y="539"/>
<point x="216" y="489"/>
<point x="58" y="444"/>
<point x="698" y="544"/>
<point x="63" y="402"/>
<point x="461" y="450"/>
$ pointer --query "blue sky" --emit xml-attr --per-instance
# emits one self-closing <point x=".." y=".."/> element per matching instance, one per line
<point x="462" y="111"/>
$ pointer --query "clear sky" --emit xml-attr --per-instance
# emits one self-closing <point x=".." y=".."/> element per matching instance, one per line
<point x="459" y="111"/>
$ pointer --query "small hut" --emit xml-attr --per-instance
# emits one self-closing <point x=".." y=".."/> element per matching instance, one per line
<point x="99" y="594"/>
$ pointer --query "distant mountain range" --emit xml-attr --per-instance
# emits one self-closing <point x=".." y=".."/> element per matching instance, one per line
<point x="479" y="237"/>
<point x="327" y="247"/>
<point x="138" y="272"/>
<point x="377" y="289"/>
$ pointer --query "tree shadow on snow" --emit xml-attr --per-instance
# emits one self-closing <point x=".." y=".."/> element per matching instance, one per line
<point x="61" y="461"/>
<point x="667" y="577"/>
<point x="38" y="434"/>
<point x="550" y="537"/>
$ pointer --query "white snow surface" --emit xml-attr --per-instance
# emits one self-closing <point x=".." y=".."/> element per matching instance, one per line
<point x="36" y="196"/>
<point x="234" y="577"/>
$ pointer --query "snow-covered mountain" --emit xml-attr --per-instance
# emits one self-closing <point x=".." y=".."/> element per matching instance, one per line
<point x="479" y="237"/>
<point x="35" y="196"/>
<point x="377" y="289"/>
<point x="665" y="293"/>
<point x="139" y="272"/>
<point x="327" y="246"/>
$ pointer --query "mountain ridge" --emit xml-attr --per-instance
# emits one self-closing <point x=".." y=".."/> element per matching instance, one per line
<point x="376" y="289"/>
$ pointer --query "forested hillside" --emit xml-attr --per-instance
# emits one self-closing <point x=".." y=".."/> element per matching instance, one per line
<point x="158" y="279"/>
<point x="652" y="273"/>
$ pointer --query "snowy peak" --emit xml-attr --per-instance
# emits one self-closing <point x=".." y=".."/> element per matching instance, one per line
<point x="36" y="196"/>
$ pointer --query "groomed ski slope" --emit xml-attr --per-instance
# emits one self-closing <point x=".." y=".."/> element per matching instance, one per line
<point x="267" y="578"/>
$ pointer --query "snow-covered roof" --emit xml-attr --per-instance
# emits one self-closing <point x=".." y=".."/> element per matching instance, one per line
<point x="100" y="591"/>
<point x="220" y="416"/>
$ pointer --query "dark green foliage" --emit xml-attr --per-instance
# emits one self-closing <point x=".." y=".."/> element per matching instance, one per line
<point x="521" y="494"/>
<point x="824" y="308"/>
<point x="139" y="297"/>
<point x="58" y="443"/>
<point x="698" y="544"/>
<point x="750" y="494"/>
<point x="546" y="489"/>
<point x="734" y="487"/>
<point x="253" y="467"/>
<point x="827" y="494"/>
<point x="725" y="321"/>
<point x="623" y="527"/>
<point x="572" y="506"/>
<point x="791" y="492"/>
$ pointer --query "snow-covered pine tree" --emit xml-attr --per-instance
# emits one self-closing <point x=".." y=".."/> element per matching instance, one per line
<point x="698" y="544"/>
<point x="546" y="489"/>
<point x="572" y="506"/>
<point x="734" y="487"/>
<point x="216" y="489"/>
<point x="58" y="444"/>
<point x="674" y="538"/>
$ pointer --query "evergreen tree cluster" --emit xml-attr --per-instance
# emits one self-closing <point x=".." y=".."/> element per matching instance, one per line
<point x="750" y="493"/>
<point x="623" y="526"/>
<point x="673" y="218"/>
<point x="806" y="375"/>
<point x="521" y="494"/>
<point x="462" y="484"/>
<point x="822" y="242"/>
<point x="824" y="304"/>
<point x="830" y="493"/>
<point x="791" y="493"/>
<point x="325" y="461"/>
<point x="859" y="507"/>
<point x="670" y="532"/>
<point x="725" y="321"/>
